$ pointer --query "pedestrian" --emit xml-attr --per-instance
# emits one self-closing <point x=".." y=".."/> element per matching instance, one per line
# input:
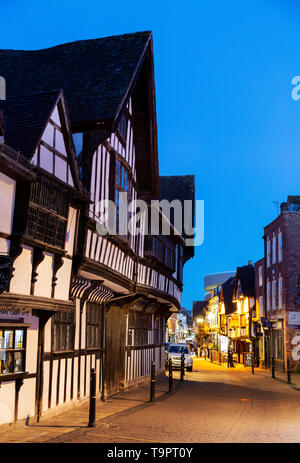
<point x="230" y="358"/>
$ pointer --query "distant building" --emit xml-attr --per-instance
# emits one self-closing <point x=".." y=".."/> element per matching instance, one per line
<point x="281" y="274"/>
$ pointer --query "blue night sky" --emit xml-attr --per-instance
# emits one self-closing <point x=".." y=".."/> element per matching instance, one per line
<point x="223" y="74"/>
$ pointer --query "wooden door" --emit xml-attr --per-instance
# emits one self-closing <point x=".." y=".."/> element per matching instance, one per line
<point x="115" y="327"/>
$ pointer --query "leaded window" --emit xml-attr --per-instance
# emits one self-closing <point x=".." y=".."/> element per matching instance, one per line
<point x="64" y="328"/>
<point x="47" y="213"/>
<point x="93" y="325"/>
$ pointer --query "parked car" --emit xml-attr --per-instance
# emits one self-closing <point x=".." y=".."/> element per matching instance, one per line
<point x="174" y="353"/>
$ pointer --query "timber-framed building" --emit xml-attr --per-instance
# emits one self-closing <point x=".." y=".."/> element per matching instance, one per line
<point x="79" y="127"/>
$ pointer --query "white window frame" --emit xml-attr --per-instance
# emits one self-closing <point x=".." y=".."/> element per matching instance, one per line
<point x="280" y="292"/>
<point x="268" y="294"/>
<point x="260" y="276"/>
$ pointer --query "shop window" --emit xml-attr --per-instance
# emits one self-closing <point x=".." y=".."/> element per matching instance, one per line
<point x="12" y="350"/>
<point x="93" y="325"/>
<point x="63" y="336"/>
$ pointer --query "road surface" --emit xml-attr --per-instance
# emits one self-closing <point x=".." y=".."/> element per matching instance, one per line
<point x="213" y="405"/>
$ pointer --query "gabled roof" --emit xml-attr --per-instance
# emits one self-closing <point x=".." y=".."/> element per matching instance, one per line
<point x="96" y="75"/>
<point x="198" y="308"/>
<point x="245" y="275"/>
<point x="25" y="120"/>
<point x="227" y="296"/>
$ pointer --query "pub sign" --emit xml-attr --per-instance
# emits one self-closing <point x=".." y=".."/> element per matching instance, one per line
<point x="6" y="264"/>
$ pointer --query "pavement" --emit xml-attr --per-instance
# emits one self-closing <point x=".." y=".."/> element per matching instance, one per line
<point x="214" y="404"/>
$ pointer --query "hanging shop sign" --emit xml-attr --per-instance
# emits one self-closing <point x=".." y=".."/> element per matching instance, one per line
<point x="6" y="264"/>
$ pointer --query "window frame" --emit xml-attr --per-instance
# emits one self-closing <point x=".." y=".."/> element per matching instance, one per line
<point x="71" y="324"/>
<point x="13" y="350"/>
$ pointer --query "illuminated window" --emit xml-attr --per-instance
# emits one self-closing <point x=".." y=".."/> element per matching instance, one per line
<point x="12" y="350"/>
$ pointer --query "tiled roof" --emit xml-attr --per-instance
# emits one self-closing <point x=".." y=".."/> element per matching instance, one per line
<point x="227" y="295"/>
<point x="95" y="74"/>
<point x="246" y="276"/>
<point x="25" y="120"/>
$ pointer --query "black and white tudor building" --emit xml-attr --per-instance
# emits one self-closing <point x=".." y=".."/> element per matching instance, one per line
<point x="79" y="126"/>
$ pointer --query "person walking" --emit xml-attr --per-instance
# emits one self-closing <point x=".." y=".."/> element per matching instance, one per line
<point x="230" y="358"/>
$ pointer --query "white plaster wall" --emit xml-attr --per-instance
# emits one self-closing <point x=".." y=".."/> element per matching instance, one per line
<point x="21" y="281"/>
<point x="46" y="385"/>
<point x="43" y="285"/>
<point x="4" y="246"/>
<point x="27" y="399"/>
<point x="54" y="382"/>
<point x="31" y="350"/>
<point x="7" y="202"/>
<point x="75" y="378"/>
<point x="47" y="339"/>
<point x="82" y="376"/>
<point x="88" y="374"/>
<point x="77" y="323"/>
<point x="7" y="402"/>
<point x="71" y="226"/>
<point x="83" y="327"/>
<point x="61" y="381"/>
<point x="63" y="275"/>
<point x="69" y="372"/>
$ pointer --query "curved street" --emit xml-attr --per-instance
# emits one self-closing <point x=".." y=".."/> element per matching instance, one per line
<point x="213" y="404"/>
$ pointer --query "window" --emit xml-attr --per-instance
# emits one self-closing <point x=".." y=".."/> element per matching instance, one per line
<point x="260" y="277"/>
<point x="139" y="325"/>
<point x="268" y="294"/>
<point x="63" y="337"/>
<point x="158" y="329"/>
<point x="12" y="350"/>
<point x="47" y="214"/>
<point x="93" y="325"/>
<point x="122" y="128"/>
<point x="274" y="295"/>
<point x="280" y="247"/>
<point x="280" y="292"/>
<point x="274" y="249"/>
<point x="268" y="252"/>
<point x="123" y="184"/>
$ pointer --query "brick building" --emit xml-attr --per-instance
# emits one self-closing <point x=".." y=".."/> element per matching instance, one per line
<point x="282" y="269"/>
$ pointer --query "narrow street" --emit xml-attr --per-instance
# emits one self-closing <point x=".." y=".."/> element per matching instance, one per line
<point x="213" y="405"/>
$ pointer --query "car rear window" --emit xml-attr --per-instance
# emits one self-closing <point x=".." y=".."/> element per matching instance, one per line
<point x="179" y="349"/>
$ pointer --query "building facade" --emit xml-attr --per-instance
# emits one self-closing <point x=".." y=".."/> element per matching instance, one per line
<point x="81" y="297"/>
<point x="282" y="269"/>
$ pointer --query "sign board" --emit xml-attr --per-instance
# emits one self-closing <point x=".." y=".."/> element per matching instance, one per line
<point x="248" y="359"/>
<point x="294" y="320"/>
<point x="6" y="264"/>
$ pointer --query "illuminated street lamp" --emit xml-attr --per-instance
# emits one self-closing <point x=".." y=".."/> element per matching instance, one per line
<point x="200" y="320"/>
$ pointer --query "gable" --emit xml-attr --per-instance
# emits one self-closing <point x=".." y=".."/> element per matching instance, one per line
<point x="53" y="152"/>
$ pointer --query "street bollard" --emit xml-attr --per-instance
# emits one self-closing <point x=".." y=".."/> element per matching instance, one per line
<point x="288" y="370"/>
<point x="182" y="367"/>
<point x="152" y="383"/>
<point x="92" y="414"/>
<point x="205" y="354"/>
<point x="170" y="376"/>
<point x="220" y="358"/>
<point x="273" y="368"/>
<point x="210" y="353"/>
<point x="252" y="364"/>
